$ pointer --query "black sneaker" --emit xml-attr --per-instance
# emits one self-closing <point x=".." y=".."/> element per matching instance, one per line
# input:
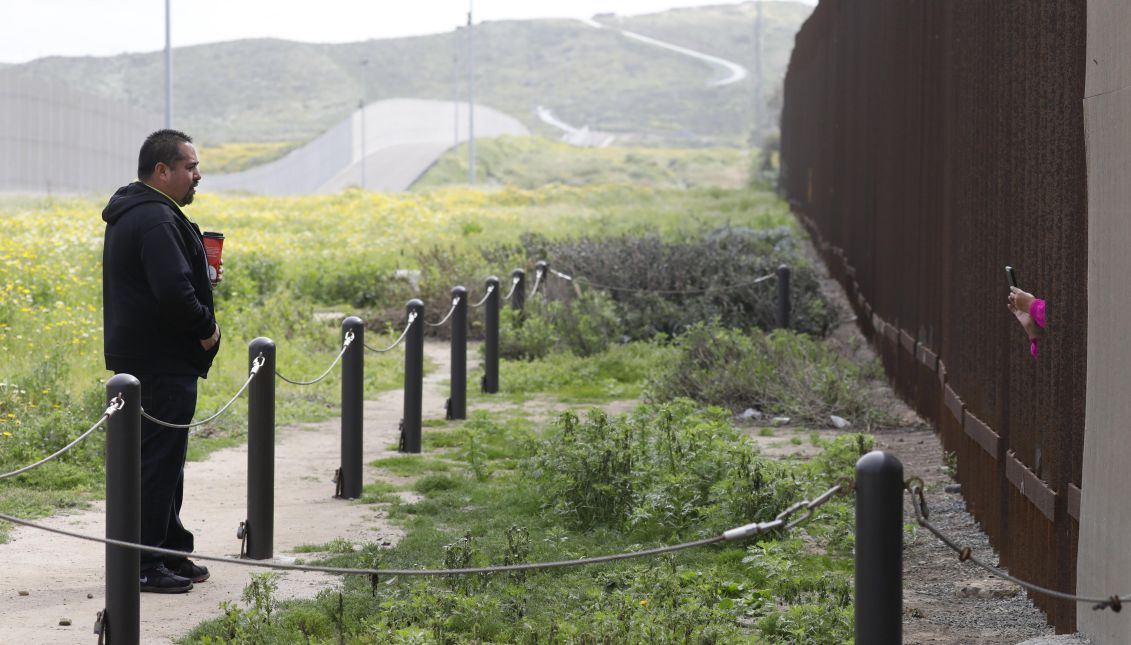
<point x="186" y="568"/>
<point x="161" y="580"/>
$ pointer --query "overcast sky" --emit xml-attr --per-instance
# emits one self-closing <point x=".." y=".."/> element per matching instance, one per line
<point x="32" y="29"/>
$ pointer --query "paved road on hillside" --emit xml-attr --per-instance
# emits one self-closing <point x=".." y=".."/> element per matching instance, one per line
<point x="402" y="139"/>
<point x="583" y="136"/>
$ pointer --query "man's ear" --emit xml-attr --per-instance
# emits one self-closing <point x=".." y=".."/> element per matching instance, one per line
<point x="161" y="170"/>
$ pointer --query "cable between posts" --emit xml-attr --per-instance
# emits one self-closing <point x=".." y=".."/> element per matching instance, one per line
<point x="345" y="345"/>
<point x="455" y="303"/>
<point x="914" y="486"/>
<point x="739" y="533"/>
<point x="116" y="404"/>
<point x="255" y="365"/>
<point x="490" y="290"/>
<point x="411" y="319"/>
<point x="514" y="285"/>
<point x="597" y="285"/>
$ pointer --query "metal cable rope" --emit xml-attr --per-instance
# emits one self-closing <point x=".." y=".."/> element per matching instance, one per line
<point x="255" y="365"/>
<point x="490" y="290"/>
<point x="115" y="404"/>
<point x="739" y="533"/>
<point x="345" y="345"/>
<point x="915" y="487"/>
<point x="455" y="303"/>
<point x="514" y="285"/>
<point x="607" y="287"/>
<point x="411" y="319"/>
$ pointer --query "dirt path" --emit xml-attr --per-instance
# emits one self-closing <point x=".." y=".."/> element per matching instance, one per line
<point x="63" y="577"/>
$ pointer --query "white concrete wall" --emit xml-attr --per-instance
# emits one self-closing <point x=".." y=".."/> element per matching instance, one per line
<point x="1104" y="556"/>
<point x="56" y="140"/>
<point x="403" y="138"/>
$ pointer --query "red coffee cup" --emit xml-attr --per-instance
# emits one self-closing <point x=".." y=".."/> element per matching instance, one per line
<point x="213" y="245"/>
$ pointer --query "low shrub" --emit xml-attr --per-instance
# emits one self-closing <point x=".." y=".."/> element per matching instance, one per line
<point x="584" y="326"/>
<point x="662" y="285"/>
<point x="657" y="472"/>
<point x="778" y="373"/>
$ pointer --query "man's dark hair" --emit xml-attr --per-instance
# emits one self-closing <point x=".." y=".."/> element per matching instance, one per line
<point x="163" y="146"/>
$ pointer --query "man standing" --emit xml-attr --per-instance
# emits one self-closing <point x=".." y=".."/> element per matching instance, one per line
<point x="160" y="326"/>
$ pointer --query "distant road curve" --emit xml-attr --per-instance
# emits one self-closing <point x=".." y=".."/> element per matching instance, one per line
<point x="576" y="136"/>
<point x="735" y="71"/>
<point x="584" y="137"/>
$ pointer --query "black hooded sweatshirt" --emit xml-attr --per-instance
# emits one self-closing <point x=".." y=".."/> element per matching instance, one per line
<point x="156" y="296"/>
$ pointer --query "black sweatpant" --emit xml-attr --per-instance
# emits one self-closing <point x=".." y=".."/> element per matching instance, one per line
<point x="170" y="398"/>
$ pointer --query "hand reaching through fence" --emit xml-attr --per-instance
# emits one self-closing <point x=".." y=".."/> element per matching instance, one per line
<point x="1030" y="313"/>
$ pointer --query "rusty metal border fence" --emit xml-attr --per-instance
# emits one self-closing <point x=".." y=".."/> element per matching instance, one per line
<point x="926" y="145"/>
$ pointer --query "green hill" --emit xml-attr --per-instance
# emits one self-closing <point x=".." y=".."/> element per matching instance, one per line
<point x="282" y="91"/>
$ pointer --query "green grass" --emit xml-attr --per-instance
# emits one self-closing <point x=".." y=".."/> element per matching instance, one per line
<point x="617" y="373"/>
<point x="529" y="162"/>
<point x="379" y="492"/>
<point x="410" y="465"/>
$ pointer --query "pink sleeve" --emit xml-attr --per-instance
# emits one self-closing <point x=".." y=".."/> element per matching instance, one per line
<point x="1037" y="312"/>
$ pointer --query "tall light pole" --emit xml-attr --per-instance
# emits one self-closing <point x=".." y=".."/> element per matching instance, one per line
<point x="759" y="78"/>
<point x="168" y="64"/>
<point x="470" y="96"/>
<point x="361" y="106"/>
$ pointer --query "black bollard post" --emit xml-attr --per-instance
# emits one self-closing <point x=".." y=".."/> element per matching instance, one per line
<point x="490" y="383"/>
<point x="541" y="275"/>
<point x="518" y="300"/>
<point x="353" y="397"/>
<point x="260" y="525"/>
<point x="457" y="404"/>
<point x="123" y="512"/>
<point x="413" y="379"/>
<point x="879" y="549"/>
<point x="783" y="297"/>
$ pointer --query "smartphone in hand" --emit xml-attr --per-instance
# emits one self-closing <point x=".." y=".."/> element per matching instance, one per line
<point x="1012" y="275"/>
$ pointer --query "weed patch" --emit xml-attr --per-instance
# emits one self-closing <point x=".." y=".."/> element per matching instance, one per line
<point x="691" y="471"/>
<point x="779" y="373"/>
